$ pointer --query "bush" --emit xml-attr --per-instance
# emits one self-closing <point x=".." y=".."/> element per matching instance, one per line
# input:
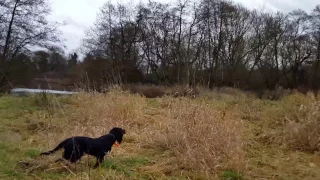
<point x="183" y="91"/>
<point x="276" y="94"/>
<point x="145" y="90"/>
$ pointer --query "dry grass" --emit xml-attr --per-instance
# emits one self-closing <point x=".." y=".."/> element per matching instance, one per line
<point x="221" y="132"/>
<point x="205" y="137"/>
<point x="195" y="135"/>
<point x="298" y="124"/>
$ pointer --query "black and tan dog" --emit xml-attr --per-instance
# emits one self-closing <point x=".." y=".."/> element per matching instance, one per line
<point x="76" y="147"/>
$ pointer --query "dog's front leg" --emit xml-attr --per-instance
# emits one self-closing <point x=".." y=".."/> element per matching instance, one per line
<point x="99" y="161"/>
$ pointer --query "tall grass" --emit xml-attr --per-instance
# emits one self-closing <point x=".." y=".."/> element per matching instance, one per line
<point x="198" y="136"/>
<point x="204" y="138"/>
<point x="300" y="123"/>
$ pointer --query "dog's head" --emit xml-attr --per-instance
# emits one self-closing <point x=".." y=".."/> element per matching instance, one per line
<point x="118" y="133"/>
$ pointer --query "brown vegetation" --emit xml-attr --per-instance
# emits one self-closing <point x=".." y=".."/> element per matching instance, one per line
<point x="225" y="132"/>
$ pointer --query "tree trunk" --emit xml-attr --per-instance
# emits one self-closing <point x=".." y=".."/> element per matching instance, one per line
<point x="6" y="46"/>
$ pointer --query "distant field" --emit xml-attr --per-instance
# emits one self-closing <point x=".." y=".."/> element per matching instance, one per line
<point x="228" y="134"/>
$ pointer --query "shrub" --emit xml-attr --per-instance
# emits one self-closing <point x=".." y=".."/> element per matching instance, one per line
<point x="183" y="91"/>
<point x="276" y="94"/>
<point x="145" y="90"/>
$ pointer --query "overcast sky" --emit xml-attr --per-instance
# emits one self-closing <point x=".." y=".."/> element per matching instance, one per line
<point x="81" y="14"/>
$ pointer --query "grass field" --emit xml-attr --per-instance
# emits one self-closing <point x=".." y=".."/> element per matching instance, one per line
<point x="217" y="135"/>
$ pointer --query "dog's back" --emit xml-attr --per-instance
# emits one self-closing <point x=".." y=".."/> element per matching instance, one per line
<point x="92" y="146"/>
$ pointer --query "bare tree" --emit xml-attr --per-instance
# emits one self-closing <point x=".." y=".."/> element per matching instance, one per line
<point x="266" y="41"/>
<point x="296" y="46"/>
<point x="25" y="27"/>
<point x="214" y="42"/>
<point x="315" y="32"/>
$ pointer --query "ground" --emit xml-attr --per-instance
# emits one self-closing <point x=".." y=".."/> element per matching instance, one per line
<point x="217" y="135"/>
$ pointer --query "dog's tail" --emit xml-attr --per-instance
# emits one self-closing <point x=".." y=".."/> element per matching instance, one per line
<point x="60" y="146"/>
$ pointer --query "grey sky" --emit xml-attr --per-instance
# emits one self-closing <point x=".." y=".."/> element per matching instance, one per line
<point x="81" y="14"/>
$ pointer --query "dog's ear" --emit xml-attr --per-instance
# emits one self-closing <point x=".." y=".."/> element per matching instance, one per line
<point x="123" y="131"/>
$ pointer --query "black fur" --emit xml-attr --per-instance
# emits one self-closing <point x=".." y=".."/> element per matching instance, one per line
<point x="76" y="147"/>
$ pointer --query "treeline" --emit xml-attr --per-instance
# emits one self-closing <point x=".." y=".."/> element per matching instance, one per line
<point x="208" y="42"/>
